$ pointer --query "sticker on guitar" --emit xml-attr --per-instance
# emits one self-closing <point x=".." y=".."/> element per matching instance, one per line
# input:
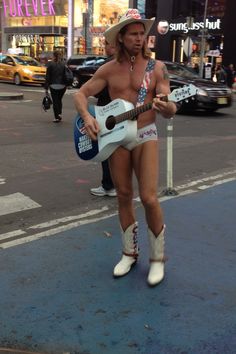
<point x="118" y="125"/>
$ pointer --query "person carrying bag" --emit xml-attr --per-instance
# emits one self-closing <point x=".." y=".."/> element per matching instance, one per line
<point x="55" y="81"/>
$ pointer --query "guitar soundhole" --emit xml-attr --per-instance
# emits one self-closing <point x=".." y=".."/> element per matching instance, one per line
<point x="110" y="122"/>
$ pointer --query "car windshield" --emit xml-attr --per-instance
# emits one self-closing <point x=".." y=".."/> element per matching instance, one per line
<point x="181" y="70"/>
<point x="27" y="61"/>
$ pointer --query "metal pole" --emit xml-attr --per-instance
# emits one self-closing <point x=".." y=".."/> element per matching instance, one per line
<point x="169" y="161"/>
<point x="133" y="4"/>
<point x="70" y="33"/>
<point x="203" y="40"/>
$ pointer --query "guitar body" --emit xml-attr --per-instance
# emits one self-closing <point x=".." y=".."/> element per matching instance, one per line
<point x="118" y="125"/>
<point x="108" y="139"/>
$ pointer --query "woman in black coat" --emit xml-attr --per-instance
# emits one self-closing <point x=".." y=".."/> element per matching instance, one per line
<point x="55" y="81"/>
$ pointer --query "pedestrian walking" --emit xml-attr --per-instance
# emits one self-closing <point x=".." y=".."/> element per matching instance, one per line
<point x="55" y="81"/>
<point x="230" y="71"/>
<point x="135" y="77"/>
<point x="220" y="74"/>
<point x="107" y="187"/>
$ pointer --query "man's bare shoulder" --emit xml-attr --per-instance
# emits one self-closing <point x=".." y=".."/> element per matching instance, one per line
<point x="161" y="70"/>
<point x="107" y="67"/>
<point x="159" y="65"/>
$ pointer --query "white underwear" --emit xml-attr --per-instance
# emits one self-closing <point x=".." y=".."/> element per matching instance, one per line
<point x="147" y="133"/>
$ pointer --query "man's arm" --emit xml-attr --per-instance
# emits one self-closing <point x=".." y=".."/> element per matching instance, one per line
<point x="167" y="109"/>
<point x="90" y="88"/>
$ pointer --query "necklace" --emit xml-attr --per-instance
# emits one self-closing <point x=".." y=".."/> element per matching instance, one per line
<point x="132" y="60"/>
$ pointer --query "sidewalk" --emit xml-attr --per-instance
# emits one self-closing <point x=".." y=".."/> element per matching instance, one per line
<point x="58" y="294"/>
<point x="5" y="96"/>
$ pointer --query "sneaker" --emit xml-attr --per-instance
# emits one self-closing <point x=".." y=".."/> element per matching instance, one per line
<point x="101" y="192"/>
<point x="55" y="120"/>
<point x="111" y="192"/>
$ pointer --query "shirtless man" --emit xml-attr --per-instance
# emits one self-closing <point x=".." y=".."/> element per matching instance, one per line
<point x="123" y="76"/>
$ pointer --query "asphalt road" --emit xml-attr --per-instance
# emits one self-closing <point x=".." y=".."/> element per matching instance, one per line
<point x="43" y="183"/>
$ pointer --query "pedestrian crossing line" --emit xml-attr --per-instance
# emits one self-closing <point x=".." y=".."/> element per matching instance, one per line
<point x="2" y="180"/>
<point x="68" y="218"/>
<point x="216" y="183"/>
<point x="21" y="101"/>
<point x="11" y="234"/>
<point x="51" y="232"/>
<point x="205" y="179"/>
<point x="6" y="241"/>
<point x="68" y="91"/>
<point x="16" y="202"/>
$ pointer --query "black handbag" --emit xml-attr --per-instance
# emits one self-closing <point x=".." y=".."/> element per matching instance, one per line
<point x="46" y="102"/>
<point x="68" y="76"/>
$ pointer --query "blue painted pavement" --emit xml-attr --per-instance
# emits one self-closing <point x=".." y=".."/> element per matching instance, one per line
<point x="58" y="294"/>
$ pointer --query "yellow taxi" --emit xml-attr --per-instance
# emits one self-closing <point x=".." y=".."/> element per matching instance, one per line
<point x="21" y="69"/>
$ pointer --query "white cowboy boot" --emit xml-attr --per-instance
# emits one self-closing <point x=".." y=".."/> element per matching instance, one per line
<point x="130" y="251"/>
<point x="157" y="258"/>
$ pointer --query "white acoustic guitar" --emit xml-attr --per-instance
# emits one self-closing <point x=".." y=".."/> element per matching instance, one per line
<point x="118" y="125"/>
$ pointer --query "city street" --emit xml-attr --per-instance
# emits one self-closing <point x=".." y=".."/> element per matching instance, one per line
<point x="44" y="180"/>
<point x="59" y="243"/>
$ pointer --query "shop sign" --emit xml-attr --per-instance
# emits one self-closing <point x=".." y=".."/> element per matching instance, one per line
<point x="162" y="27"/>
<point x="28" y="8"/>
<point x="97" y="31"/>
<point x="26" y="38"/>
<point x="211" y="25"/>
<point x="213" y="53"/>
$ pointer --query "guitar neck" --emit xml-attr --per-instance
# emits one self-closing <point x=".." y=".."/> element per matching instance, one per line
<point x="133" y="113"/>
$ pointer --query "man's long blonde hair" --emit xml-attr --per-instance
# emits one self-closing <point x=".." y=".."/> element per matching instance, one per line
<point x="120" y="50"/>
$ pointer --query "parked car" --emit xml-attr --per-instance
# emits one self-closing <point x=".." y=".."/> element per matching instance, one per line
<point x="211" y="95"/>
<point x="83" y="67"/>
<point x="20" y="68"/>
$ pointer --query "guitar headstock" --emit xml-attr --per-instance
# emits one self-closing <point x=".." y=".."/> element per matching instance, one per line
<point x="183" y="93"/>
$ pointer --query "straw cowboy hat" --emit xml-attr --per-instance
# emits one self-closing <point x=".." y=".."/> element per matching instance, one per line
<point x="131" y="16"/>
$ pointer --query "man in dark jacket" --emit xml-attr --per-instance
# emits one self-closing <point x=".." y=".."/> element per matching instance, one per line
<point x="107" y="186"/>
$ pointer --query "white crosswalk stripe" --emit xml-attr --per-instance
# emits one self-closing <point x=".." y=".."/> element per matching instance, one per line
<point x="16" y="202"/>
<point x="19" y="202"/>
<point x="2" y="180"/>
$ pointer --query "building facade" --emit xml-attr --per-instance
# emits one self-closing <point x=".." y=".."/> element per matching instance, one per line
<point x="188" y="35"/>
<point x="37" y="27"/>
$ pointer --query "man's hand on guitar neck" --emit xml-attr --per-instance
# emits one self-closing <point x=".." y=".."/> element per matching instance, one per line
<point x="91" y="126"/>
<point x="166" y="108"/>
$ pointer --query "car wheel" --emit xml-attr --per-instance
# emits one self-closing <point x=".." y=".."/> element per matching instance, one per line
<point x="17" y="79"/>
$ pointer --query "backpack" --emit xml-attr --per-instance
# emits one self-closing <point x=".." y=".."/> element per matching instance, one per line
<point x="68" y="76"/>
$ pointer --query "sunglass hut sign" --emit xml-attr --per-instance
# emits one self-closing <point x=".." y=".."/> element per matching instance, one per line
<point x="28" y="8"/>
<point x="211" y="25"/>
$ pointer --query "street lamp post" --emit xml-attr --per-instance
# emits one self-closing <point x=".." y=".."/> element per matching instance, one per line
<point x="70" y="33"/>
<point x="203" y="41"/>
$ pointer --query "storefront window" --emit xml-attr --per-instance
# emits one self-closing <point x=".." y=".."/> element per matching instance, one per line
<point x="92" y="18"/>
<point x="184" y="28"/>
<point x="107" y="12"/>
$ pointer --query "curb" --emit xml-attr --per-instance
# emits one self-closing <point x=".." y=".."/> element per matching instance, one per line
<point x="16" y="351"/>
<point x="4" y="96"/>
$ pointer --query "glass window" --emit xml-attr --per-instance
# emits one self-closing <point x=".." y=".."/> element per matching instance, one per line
<point x="26" y="61"/>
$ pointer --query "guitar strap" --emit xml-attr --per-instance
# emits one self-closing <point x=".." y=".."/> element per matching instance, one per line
<point x="146" y="81"/>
